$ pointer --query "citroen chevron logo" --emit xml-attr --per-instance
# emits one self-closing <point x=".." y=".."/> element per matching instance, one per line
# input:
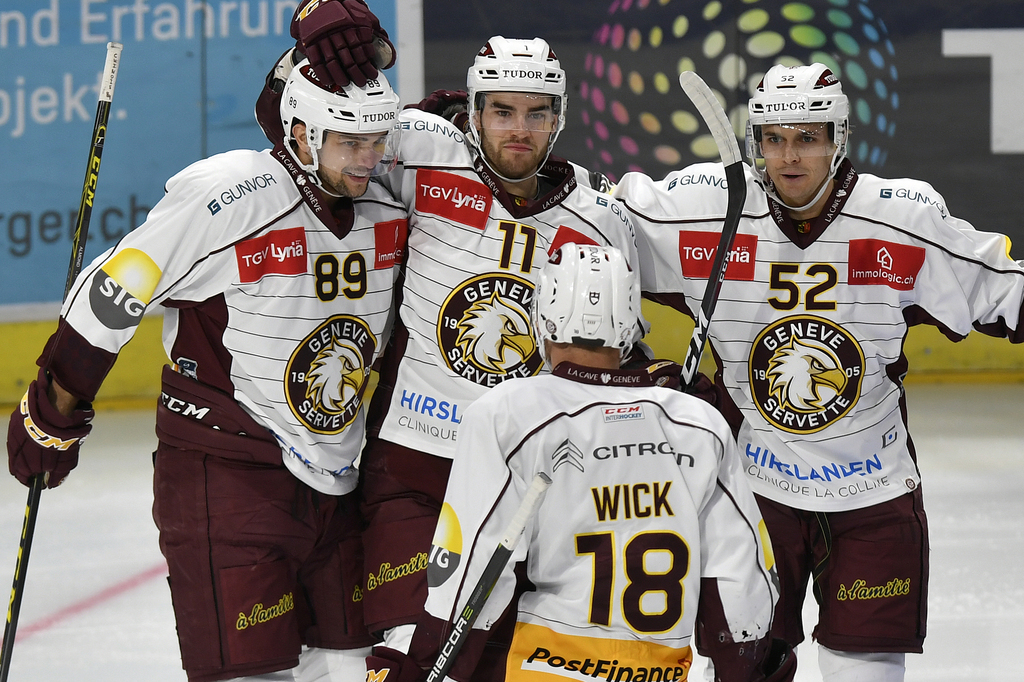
<point x="567" y="453"/>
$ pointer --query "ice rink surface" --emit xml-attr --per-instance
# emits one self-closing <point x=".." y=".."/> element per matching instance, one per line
<point x="96" y="606"/>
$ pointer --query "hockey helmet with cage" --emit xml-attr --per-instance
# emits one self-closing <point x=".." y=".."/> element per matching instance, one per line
<point x="369" y="111"/>
<point x="587" y="295"/>
<point x="789" y="96"/>
<point x="516" y="65"/>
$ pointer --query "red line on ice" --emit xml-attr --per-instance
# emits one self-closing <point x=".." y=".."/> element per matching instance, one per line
<point x="89" y="602"/>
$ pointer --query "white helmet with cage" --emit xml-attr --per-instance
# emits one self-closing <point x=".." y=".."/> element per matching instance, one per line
<point x="369" y="112"/>
<point x="587" y="295"/>
<point x="520" y="66"/>
<point x="792" y="95"/>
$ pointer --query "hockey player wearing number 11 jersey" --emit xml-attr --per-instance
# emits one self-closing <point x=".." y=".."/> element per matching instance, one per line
<point x="487" y="205"/>
<point x="829" y="270"/>
<point x="648" y="531"/>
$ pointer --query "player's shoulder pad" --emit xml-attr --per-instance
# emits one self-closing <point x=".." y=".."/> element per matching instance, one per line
<point x="898" y="196"/>
<point x="234" y="184"/>
<point x="603" y="209"/>
<point x="424" y="132"/>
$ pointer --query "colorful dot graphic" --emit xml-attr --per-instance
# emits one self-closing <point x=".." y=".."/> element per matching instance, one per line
<point x="638" y="118"/>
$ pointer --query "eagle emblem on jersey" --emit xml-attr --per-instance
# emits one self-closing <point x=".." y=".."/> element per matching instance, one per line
<point x="805" y="373"/>
<point x="327" y="374"/>
<point x="484" y="330"/>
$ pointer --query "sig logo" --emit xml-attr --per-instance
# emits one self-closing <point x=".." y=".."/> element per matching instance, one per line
<point x="122" y="287"/>
<point x="446" y="549"/>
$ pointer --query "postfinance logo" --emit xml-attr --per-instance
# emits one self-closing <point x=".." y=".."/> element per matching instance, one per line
<point x="446" y="550"/>
<point x="122" y="288"/>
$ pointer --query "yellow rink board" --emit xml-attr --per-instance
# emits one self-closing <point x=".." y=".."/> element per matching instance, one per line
<point x="135" y="380"/>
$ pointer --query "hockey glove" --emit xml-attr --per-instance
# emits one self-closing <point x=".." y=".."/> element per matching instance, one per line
<point x="780" y="662"/>
<point x="393" y="666"/>
<point x="40" y="440"/>
<point x="343" y="40"/>
<point x="451" y="105"/>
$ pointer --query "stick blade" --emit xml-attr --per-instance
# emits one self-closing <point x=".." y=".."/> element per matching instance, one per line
<point x="714" y="116"/>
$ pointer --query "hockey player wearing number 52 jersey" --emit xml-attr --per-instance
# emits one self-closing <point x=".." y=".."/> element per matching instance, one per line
<point x="276" y="272"/>
<point x="828" y="271"/>
<point x="648" y="531"/>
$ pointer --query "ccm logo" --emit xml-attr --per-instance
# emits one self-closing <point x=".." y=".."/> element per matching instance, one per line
<point x="373" y="118"/>
<point x="518" y="73"/>
<point x="626" y="413"/>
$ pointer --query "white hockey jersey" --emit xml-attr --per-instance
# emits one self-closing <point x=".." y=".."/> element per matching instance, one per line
<point x="469" y="274"/>
<point x="268" y="299"/>
<point x="812" y="318"/>
<point x="647" y="498"/>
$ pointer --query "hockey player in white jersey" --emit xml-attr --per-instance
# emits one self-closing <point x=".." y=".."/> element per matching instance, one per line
<point x="828" y="271"/>
<point x="487" y="207"/>
<point x="648" y="531"/>
<point x="276" y="272"/>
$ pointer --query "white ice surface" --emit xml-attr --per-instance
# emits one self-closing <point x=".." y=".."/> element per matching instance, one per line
<point x="95" y="535"/>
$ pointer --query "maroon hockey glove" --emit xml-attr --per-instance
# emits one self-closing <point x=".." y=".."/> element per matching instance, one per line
<point x="704" y="389"/>
<point x="40" y="440"/>
<point x="779" y="663"/>
<point x="451" y="105"/>
<point x="343" y="40"/>
<point x="392" y="666"/>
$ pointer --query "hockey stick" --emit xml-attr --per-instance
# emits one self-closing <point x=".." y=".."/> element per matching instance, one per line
<point x="99" y="134"/>
<point x="714" y="116"/>
<point x="464" y="623"/>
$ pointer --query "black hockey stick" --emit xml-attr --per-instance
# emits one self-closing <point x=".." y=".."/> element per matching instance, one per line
<point x="464" y="622"/>
<point x="99" y="134"/>
<point x="714" y="116"/>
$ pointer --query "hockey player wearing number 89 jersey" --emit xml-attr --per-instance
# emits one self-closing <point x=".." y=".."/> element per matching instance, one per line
<point x="829" y="270"/>
<point x="276" y="273"/>
<point x="648" y="532"/>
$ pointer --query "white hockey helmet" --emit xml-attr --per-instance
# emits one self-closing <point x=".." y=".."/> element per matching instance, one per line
<point x="587" y="295"/>
<point x="791" y="95"/>
<point x="351" y="110"/>
<point x="516" y="65"/>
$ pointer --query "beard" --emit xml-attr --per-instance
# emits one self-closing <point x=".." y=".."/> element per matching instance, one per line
<point x="343" y="185"/>
<point x="515" y="165"/>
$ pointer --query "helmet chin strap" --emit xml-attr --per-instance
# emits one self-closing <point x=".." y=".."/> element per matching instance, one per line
<point x="769" y="188"/>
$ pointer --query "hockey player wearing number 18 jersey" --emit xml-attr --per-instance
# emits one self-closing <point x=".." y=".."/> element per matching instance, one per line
<point x="648" y="530"/>
<point x="276" y="272"/>
<point x="486" y="207"/>
<point x="829" y="270"/>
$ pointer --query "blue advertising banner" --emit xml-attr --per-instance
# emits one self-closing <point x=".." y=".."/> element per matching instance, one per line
<point x="189" y="77"/>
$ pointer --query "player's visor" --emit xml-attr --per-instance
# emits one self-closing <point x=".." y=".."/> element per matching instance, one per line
<point x="361" y="155"/>
<point x="519" y="111"/>
<point x="777" y="140"/>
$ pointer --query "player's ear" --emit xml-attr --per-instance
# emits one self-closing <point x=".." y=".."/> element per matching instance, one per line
<point x="299" y="134"/>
